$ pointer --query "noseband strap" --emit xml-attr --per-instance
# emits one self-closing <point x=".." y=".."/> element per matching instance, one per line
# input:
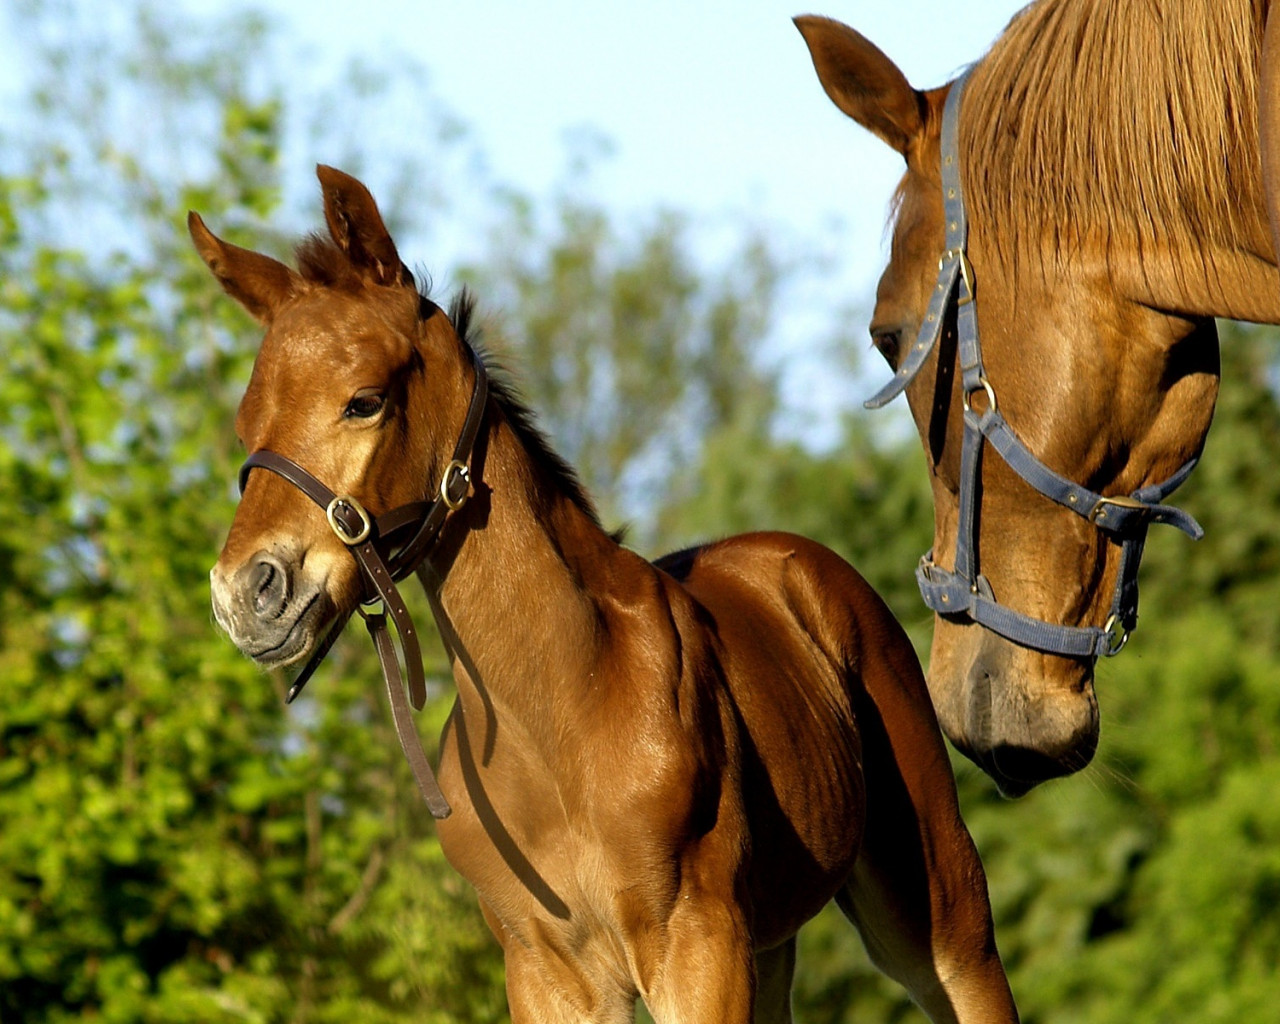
<point x="384" y="558"/>
<point x="1124" y="519"/>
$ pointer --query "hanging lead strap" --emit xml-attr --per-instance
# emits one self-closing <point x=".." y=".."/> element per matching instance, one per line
<point x="410" y="743"/>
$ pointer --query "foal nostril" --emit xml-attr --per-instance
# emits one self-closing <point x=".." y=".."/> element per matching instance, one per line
<point x="269" y="587"/>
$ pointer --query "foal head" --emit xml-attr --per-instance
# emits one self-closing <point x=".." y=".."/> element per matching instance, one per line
<point x="1105" y="374"/>
<point x="340" y="387"/>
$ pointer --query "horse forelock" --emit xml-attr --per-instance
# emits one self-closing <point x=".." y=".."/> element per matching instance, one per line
<point x="1119" y="120"/>
<point x="321" y="262"/>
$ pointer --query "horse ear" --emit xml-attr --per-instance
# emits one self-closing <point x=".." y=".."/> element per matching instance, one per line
<point x="257" y="282"/>
<point x="357" y="228"/>
<point x="863" y="82"/>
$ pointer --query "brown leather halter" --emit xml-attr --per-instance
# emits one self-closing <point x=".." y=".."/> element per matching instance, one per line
<point x="384" y="560"/>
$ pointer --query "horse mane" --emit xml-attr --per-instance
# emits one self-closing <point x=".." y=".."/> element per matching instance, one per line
<point x="1133" y="121"/>
<point x="503" y="389"/>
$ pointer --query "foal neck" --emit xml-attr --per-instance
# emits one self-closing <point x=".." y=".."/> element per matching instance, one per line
<point x="521" y="568"/>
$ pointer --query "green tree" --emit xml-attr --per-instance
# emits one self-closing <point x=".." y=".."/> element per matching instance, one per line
<point x="176" y="847"/>
<point x="179" y="846"/>
<point x="627" y="348"/>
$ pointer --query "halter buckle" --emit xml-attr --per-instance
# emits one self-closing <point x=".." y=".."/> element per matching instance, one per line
<point x="1117" y="636"/>
<point x="454" y="471"/>
<point x="366" y="524"/>
<point x="1099" y="511"/>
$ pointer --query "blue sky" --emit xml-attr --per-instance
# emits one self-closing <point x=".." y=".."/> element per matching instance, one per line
<point x="713" y="107"/>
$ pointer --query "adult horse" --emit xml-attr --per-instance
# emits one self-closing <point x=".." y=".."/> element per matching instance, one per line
<point x="655" y="774"/>
<point x="1091" y="189"/>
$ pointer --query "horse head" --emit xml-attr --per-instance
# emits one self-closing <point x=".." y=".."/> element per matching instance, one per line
<point x="337" y="389"/>
<point x="1100" y="350"/>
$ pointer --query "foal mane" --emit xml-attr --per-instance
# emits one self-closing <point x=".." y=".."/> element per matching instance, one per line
<point x="502" y="388"/>
<point x="1130" y="120"/>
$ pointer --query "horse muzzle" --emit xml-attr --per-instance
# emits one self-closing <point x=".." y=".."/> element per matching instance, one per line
<point x="271" y="611"/>
<point x="1023" y="734"/>
<point x="1022" y="716"/>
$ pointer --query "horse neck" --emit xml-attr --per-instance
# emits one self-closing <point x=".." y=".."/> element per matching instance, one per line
<point x="522" y="558"/>
<point x="1236" y="283"/>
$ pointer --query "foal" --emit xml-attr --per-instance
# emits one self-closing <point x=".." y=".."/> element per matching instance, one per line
<point x="657" y="773"/>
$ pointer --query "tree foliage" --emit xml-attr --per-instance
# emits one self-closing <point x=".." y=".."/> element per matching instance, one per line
<point x="178" y="846"/>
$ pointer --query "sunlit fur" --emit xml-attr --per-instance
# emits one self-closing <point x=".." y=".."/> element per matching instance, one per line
<point x="657" y="772"/>
<point x="1109" y="157"/>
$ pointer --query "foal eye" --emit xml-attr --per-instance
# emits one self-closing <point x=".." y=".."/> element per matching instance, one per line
<point x="887" y="343"/>
<point x="366" y="403"/>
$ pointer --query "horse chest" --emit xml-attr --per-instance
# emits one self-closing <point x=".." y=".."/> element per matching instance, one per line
<point x="512" y="836"/>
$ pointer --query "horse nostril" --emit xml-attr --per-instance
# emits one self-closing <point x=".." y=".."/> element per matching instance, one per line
<point x="983" y="676"/>
<point x="269" y="585"/>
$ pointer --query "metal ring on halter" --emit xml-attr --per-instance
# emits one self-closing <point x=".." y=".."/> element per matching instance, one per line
<point x="351" y="540"/>
<point x="966" y="271"/>
<point x="1117" y="636"/>
<point x="986" y="386"/>
<point x="463" y="473"/>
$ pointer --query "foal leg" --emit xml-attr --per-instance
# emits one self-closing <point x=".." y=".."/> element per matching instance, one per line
<point x="707" y="974"/>
<point x="932" y="935"/>
<point x="775" y="969"/>
<point x="536" y="996"/>
<point x="918" y="893"/>
<point x="546" y="986"/>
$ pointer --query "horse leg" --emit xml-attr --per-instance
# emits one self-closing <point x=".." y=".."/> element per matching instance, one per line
<point x="928" y="925"/>
<point x="949" y="967"/>
<point x="918" y="893"/>
<point x="775" y="969"/>
<point x="534" y="995"/>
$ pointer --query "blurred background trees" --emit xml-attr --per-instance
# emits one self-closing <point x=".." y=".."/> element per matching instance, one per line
<point x="177" y="846"/>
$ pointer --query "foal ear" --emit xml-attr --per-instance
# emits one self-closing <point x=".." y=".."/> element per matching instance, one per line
<point x="863" y="82"/>
<point x="357" y="228"/>
<point x="257" y="282"/>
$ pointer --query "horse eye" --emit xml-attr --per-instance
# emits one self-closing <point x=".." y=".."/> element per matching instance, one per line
<point x="887" y="343"/>
<point x="366" y="403"/>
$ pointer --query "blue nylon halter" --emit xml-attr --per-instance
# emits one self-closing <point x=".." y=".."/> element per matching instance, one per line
<point x="1125" y="519"/>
